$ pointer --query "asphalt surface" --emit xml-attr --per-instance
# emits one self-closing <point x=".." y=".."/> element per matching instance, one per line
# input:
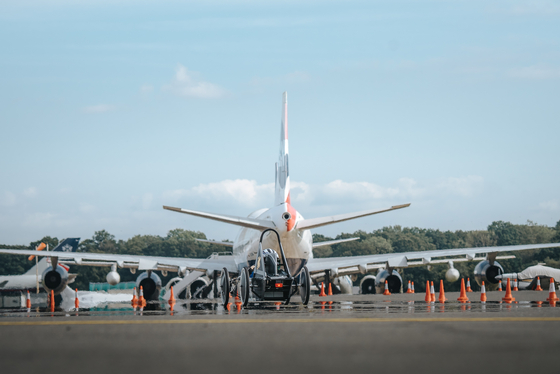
<point x="352" y="334"/>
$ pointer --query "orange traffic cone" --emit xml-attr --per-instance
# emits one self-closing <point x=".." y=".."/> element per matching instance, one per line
<point x="442" y="298"/>
<point x="386" y="292"/>
<point x="539" y="288"/>
<point x="330" y="289"/>
<point x="409" y="289"/>
<point x="463" y="296"/>
<point x="432" y="293"/>
<point x="515" y="285"/>
<point x="141" y="300"/>
<point x="483" y="293"/>
<point x="322" y="290"/>
<point x="77" y="301"/>
<point x="428" y="297"/>
<point x="500" y="285"/>
<point x="28" y="301"/>
<point x="412" y="287"/>
<point x="172" y="300"/>
<point x="134" y="299"/>
<point x="52" y="301"/>
<point x="552" y="298"/>
<point x="508" y="298"/>
<point x="469" y="289"/>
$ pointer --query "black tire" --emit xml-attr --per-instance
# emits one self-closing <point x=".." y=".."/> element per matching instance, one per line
<point x="244" y="287"/>
<point x="225" y="285"/>
<point x="304" y="286"/>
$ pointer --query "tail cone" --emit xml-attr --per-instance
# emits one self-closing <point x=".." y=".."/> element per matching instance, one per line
<point x="508" y="298"/>
<point x="463" y="296"/>
<point x="483" y="293"/>
<point x="442" y="298"/>
<point x="386" y="292"/>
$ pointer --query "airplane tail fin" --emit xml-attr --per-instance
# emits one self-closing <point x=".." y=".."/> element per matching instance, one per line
<point x="67" y="245"/>
<point x="282" y="182"/>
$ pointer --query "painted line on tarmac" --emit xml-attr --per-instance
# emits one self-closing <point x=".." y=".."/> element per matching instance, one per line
<point x="295" y="320"/>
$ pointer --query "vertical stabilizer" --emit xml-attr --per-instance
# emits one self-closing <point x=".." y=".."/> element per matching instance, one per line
<point x="67" y="245"/>
<point x="282" y="190"/>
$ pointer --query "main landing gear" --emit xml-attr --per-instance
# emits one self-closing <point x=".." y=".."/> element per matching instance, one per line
<point x="270" y="280"/>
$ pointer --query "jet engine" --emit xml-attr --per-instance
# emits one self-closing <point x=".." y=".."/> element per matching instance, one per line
<point x="487" y="272"/>
<point x="197" y="289"/>
<point x="55" y="279"/>
<point x="394" y="281"/>
<point x="452" y="274"/>
<point x="151" y="285"/>
<point x="367" y="285"/>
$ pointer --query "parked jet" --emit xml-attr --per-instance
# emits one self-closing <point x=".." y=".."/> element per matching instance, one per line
<point x="254" y="271"/>
<point x="42" y="272"/>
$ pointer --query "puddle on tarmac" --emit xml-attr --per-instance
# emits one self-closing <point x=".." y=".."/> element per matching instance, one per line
<point x="338" y="308"/>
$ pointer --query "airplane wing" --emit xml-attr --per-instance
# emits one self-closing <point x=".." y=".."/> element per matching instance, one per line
<point x="214" y="262"/>
<point x="357" y="264"/>
<point x="331" y="242"/>
<point x="227" y="244"/>
<point x="312" y="223"/>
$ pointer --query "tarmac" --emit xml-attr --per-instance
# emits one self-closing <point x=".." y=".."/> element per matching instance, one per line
<point x="362" y="333"/>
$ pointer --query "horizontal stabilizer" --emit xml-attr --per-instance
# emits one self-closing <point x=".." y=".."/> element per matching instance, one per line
<point x="251" y="223"/>
<point x="227" y="244"/>
<point x="331" y="242"/>
<point x="323" y="221"/>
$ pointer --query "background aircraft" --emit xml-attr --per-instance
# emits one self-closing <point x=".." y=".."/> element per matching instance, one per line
<point x="296" y="239"/>
<point x="42" y="272"/>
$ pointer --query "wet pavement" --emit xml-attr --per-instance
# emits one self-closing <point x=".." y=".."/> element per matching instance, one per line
<point x="396" y="333"/>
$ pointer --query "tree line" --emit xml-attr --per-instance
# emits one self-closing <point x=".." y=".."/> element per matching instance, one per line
<point x="391" y="239"/>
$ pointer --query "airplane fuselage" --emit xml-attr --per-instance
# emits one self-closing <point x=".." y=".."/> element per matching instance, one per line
<point x="297" y="244"/>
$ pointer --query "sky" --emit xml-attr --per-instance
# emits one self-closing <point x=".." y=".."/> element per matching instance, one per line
<point x="111" y="109"/>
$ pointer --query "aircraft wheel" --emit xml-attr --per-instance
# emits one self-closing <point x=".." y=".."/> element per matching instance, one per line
<point x="224" y="285"/>
<point x="244" y="287"/>
<point x="304" y="286"/>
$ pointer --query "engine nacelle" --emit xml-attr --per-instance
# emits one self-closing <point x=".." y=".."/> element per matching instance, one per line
<point x="344" y="284"/>
<point x="394" y="281"/>
<point x="55" y="279"/>
<point x="487" y="273"/>
<point x="151" y="285"/>
<point x="367" y="285"/>
<point x="452" y="275"/>
<point x="198" y="288"/>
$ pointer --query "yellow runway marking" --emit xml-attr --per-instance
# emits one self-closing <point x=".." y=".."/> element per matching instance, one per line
<point x="295" y="320"/>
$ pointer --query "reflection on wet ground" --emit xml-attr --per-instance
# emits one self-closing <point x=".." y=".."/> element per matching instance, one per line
<point x="315" y="308"/>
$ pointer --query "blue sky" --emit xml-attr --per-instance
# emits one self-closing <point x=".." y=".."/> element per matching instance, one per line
<point x="109" y="110"/>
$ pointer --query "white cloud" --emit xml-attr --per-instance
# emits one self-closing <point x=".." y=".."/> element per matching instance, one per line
<point x="551" y="205"/>
<point x="535" y="72"/>
<point x="188" y="83"/>
<point x="101" y="108"/>
<point x="242" y="192"/>
<point x="30" y="192"/>
<point x="146" y="89"/>
<point x="290" y="78"/>
<point x="39" y="220"/>
<point x="87" y="208"/>
<point x="250" y="194"/>
<point x="147" y="199"/>
<point x="8" y="199"/>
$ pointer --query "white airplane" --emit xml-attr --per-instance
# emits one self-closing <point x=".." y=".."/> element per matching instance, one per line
<point x="273" y="253"/>
<point x="41" y="272"/>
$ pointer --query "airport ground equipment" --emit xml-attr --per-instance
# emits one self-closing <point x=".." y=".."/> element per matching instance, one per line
<point x="270" y="279"/>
